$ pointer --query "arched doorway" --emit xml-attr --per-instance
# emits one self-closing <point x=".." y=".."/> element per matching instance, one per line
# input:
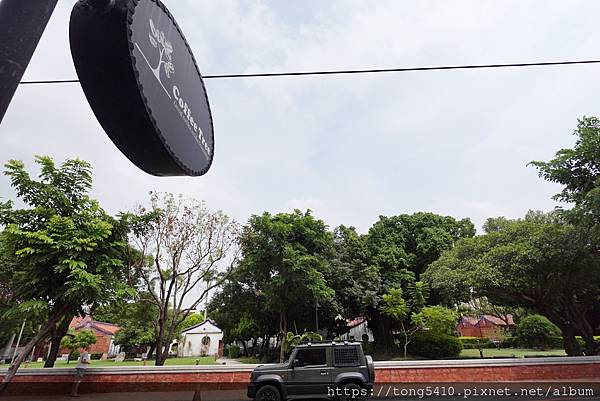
<point x="205" y="346"/>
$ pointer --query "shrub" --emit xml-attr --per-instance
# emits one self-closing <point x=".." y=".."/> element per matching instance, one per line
<point x="96" y="356"/>
<point x="536" y="331"/>
<point x="73" y="356"/>
<point x="438" y="319"/>
<point x="368" y="348"/>
<point x="234" y="351"/>
<point x="435" y="345"/>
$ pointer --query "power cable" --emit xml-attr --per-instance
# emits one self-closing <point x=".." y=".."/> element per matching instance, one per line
<point x="367" y="71"/>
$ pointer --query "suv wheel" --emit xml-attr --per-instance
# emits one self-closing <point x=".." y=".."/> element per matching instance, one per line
<point x="268" y="393"/>
<point x="349" y="389"/>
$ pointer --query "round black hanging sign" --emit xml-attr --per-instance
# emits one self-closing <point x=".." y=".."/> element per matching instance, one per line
<point x="143" y="84"/>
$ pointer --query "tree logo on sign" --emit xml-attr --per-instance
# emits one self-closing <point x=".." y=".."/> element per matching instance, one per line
<point x="159" y="41"/>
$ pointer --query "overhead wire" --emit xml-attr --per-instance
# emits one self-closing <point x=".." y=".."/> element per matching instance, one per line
<point x="357" y="71"/>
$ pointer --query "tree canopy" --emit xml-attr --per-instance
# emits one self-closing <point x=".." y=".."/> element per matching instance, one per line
<point x="539" y="262"/>
<point x="62" y="251"/>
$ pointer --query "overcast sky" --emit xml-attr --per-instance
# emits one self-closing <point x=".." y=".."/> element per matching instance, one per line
<point x="348" y="147"/>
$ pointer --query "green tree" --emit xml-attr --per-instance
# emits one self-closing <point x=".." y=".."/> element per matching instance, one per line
<point x="240" y="296"/>
<point x="406" y="313"/>
<point x="76" y="340"/>
<point x="439" y="320"/>
<point x="401" y="247"/>
<point x="352" y="277"/>
<point x="135" y="317"/>
<point x="293" y="339"/>
<point x="245" y="330"/>
<point x="284" y="259"/>
<point x="578" y="169"/>
<point x="62" y="251"/>
<point x="539" y="262"/>
<point x="190" y="321"/>
<point x="536" y="331"/>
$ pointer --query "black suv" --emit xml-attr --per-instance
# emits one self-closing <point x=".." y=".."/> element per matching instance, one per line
<point x="338" y="370"/>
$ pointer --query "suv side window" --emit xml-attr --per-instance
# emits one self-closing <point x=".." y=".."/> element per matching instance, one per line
<point x="311" y="357"/>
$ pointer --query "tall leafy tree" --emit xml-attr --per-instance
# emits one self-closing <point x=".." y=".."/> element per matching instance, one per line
<point x="136" y="318"/>
<point x="352" y="277"/>
<point x="62" y="251"/>
<point x="539" y="262"/>
<point x="577" y="169"/>
<point x="405" y="311"/>
<point x="401" y="247"/>
<point x="284" y="258"/>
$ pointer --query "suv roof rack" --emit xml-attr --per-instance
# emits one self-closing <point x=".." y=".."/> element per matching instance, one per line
<point x="331" y="342"/>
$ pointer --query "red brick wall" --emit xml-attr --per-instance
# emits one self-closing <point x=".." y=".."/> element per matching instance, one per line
<point x="205" y="380"/>
<point x="484" y="332"/>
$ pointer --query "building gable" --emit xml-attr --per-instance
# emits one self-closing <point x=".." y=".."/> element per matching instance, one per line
<point x="206" y="327"/>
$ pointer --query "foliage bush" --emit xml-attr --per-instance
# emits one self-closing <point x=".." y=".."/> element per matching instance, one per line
<point x="536" y="331"/>
<point x="96" y="356"/>
<point x="73" y="356"/>
<point x="435" y="345"/>
<point x="368" y="348"/>
<point x="234" y="351"/>
<point x="438" y="319"/>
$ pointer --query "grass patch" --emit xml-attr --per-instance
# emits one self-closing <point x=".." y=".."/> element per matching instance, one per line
<point x="510" y="353"/>
<point x="248" y="359"/>
<point x="203" y="360"/>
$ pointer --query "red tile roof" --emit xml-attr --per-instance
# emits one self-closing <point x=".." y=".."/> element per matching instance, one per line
<point x="79" y="323"/>
<point x="466" y="321"/>
<point x="356" y="321"/>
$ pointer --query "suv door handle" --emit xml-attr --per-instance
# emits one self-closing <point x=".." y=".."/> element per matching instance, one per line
<point x="323" y="372"/>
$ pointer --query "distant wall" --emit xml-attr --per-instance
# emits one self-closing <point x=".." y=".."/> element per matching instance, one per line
<point x="236" y="377"/>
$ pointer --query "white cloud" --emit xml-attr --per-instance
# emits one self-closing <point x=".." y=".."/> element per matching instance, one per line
<point x="350" y="147"/>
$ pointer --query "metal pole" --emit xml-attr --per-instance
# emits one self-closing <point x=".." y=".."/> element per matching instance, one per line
<point x="316" y="316"/>
<point x="18" y="341"/>
<point x="6" y="354"/>
<point x="21" y="26"/>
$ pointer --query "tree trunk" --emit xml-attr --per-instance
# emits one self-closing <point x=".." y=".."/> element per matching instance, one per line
<point x="151" y="351"/>
<point x="12" y="370"/>
<point x="382" y="332"/>
<point x="57" y="332"/>
<point x="162" y="353"/>
<point x="245" y="347"/>
<point x="160" y="359"/>
<point x="283" y="327"/>
<point x="591" y="346"/>
<point x="572" y="347"/>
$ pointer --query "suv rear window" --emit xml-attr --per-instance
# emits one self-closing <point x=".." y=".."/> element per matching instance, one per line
<point x="346" y="356"/>
<point x="315" y="356"/>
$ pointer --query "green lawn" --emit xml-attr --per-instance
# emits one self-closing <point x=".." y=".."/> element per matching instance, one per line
<point x="510" y="352"/>
<point x="249" y="359"/>
<point x="205" y="360"/>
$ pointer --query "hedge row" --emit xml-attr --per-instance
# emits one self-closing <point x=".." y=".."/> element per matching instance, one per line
<point x="511" y="342"/>
<point x="435" y="345"/>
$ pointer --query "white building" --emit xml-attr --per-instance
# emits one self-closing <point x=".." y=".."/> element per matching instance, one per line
<point x="357" y="328"/>
<point x="202" y="339"/>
